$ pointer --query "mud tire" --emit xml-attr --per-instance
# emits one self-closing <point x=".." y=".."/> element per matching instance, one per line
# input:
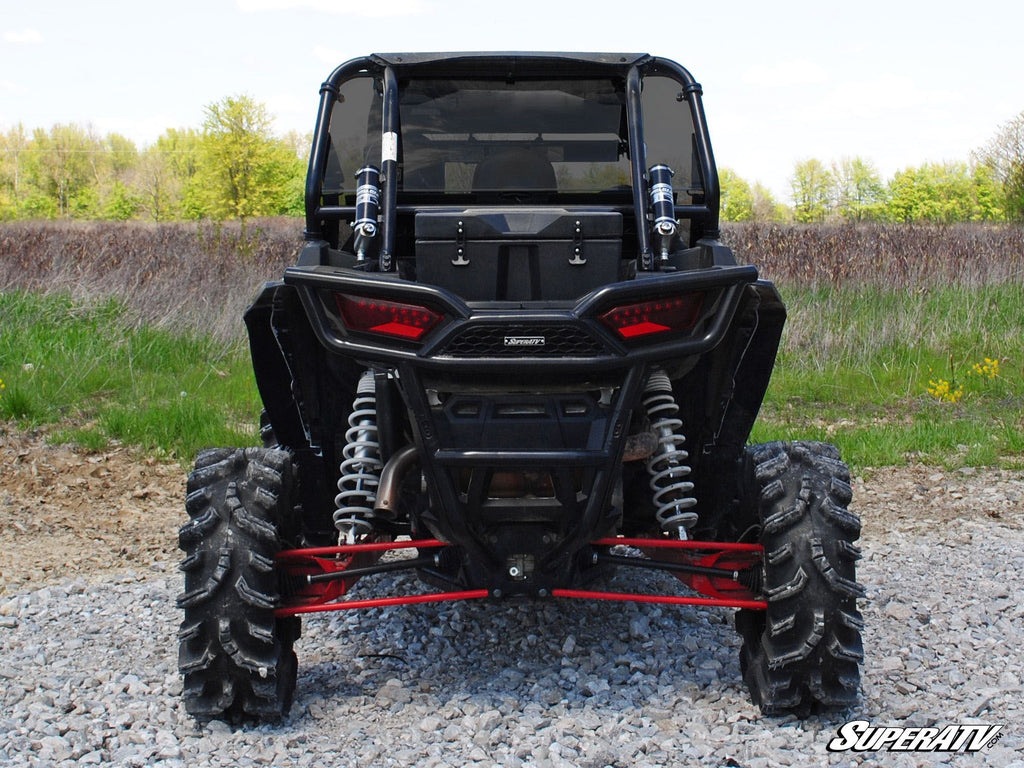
<point x="235" y="656"/>
<point x="803" y="654"/>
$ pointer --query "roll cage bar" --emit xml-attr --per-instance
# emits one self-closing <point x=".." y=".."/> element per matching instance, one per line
<point x="632" y="67"/>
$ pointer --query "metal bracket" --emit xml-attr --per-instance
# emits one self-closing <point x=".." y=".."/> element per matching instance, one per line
<point x="577" y="246"/>
<point x="460" y="259"/>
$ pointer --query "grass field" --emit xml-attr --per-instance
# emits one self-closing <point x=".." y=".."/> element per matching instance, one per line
<point x="893" y="366"/>
<point x="94" y="376"/>
<point x="894" y="375"/>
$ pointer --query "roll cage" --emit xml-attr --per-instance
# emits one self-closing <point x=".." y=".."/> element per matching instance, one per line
<point x="581" y="131"/>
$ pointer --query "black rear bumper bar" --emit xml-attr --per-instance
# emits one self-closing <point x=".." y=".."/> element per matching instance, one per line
<point x="585" y="342"/>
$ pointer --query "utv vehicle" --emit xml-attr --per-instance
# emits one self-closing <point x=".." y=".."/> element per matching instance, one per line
<point x="514" y="357"/>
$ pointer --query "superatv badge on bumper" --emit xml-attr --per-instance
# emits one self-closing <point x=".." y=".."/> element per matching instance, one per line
<point x="524" y="341"/>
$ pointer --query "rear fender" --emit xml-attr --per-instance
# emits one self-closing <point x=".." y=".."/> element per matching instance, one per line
<point x="270" y="315"/>
<point x="305" y="397"/>
<point x="724" y="394"/>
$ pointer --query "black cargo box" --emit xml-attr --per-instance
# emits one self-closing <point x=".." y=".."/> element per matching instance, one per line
<point x="526" y="254"/>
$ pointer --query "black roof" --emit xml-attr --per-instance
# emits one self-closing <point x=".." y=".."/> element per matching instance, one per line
<point x="518" y="63"/>
<point x="511" y="64"/>
<point x="429" y="58"/>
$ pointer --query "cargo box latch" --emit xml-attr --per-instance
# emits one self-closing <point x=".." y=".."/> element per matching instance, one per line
<point x="577" y="245"/>
<point x="460" y="259"/>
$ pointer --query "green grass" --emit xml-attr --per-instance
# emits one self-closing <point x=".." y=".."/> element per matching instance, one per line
<point x="856" y="367"/>
<point x="854" y="370"/>
<point x="98" y="377"/>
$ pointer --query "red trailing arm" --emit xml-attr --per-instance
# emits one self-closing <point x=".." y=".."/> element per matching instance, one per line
<point x="301" y="568"/>
<point x="630" y="597"/>
<point x="723" y="563"/>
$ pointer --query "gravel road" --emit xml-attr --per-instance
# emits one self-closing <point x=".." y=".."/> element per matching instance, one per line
<point x="88" y="664"/>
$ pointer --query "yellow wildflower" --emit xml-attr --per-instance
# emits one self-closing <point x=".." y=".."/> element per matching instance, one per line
<point x="945" y="392"/>
<point x="988" y="369"/>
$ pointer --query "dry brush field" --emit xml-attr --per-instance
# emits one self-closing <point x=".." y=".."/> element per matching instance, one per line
<point x="201" y="275"/>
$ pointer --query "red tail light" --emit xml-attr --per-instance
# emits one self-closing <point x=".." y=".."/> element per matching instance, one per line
<point x="671" y="314"/>
<point x="389" y="318"/>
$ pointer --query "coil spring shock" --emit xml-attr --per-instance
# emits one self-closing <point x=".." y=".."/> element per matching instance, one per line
<point x="360" y="466"/>
<point x="672" y="493"/>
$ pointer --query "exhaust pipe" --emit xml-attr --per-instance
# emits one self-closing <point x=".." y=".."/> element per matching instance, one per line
<point x="640" y="446"/>
<point x="391" y="480"/>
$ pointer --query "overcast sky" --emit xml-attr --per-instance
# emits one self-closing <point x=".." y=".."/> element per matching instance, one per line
<point x="897" y="83"/>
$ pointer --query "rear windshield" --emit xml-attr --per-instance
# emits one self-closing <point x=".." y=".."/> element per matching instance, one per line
<point x="482" y="137"/>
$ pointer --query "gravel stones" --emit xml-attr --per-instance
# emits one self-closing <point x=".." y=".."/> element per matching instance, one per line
<point x="88" y="667"/>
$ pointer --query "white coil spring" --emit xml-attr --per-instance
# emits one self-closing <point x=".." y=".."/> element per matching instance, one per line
<point x="666" y="466"/>
<point x="360" y="466"/>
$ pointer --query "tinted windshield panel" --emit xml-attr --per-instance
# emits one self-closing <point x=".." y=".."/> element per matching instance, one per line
<point x="487" y="136"/>
<point x="668" y="135"/>
<point x="355" y="134"/>
<point x="465" y="136"/>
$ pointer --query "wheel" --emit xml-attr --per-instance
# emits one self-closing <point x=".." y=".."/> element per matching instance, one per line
<point x="236" y="658"/>
<point x="804" y="652"/>
<point x="267" y="435"/>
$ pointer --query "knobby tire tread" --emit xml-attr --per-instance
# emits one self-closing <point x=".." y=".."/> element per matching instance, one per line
<point x="235" y="656"/>
<point x="804" y="652"/>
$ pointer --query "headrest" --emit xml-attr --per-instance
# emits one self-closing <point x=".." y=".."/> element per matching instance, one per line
<point x="514" y="169"/>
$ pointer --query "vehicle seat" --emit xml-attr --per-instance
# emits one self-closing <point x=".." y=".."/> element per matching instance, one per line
<point x="514" y="169"/>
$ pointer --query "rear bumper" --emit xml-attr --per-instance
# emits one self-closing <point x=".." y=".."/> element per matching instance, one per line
<point x="476" y="338"/>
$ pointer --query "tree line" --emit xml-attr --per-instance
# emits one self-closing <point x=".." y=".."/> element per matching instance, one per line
<point x="235" y="167"/>
<point x="988" y="187"/>
<point x="853" y="190"/>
